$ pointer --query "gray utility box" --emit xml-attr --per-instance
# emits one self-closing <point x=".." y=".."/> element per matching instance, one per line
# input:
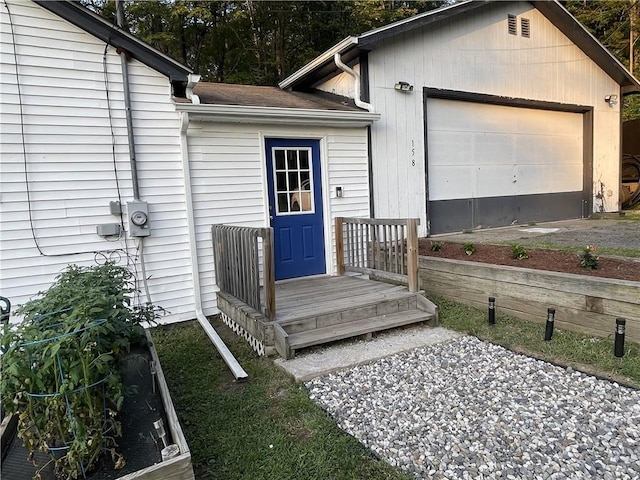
<point x="138" y="219"/>
<point x="108" y="229"/>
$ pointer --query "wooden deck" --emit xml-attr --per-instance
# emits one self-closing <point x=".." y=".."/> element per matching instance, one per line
<point x="287" y="316"/>
<point x="301" y="299"/>
<point x="312" y="311"/>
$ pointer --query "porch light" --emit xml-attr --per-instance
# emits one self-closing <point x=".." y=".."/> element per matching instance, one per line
<point x="611" y="100"/>
<point x="403" y="87"/>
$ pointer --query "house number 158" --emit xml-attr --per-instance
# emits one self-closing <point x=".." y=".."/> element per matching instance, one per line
<point x="413" y="153"/>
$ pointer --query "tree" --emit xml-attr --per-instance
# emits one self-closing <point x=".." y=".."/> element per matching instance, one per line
<point x="616" y="25"/>
<point x="253" y="41"/>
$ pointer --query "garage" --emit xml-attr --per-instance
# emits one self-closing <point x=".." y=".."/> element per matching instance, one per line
<point x="493" y="161"/>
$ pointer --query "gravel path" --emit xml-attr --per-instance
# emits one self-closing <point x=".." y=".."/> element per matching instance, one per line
<point x="469" y="409"/>
<point x="614" y="234"/>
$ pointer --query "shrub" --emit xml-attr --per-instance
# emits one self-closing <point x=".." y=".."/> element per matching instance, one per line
<point x="469" y="248"/>
<point x="60" y="365"/>
<point x="518" y="252"/>
<point x="588" y="259"/>
<point x="436" y="246"/>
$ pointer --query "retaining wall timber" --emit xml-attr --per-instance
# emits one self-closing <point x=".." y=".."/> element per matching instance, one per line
<point x="584" y="304"/>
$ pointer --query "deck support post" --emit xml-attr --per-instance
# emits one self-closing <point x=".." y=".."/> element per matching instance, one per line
<point x="268" y="274"/>
<point x="412" y="254"/>
<point x="339" y="246"/>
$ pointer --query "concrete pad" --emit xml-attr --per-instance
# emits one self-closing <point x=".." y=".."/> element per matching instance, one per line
<point x="540" y="230"/>
<point x="314" y="362"/>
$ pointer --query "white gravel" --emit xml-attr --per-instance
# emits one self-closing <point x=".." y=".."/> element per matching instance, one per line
<point x="472" y="410"/>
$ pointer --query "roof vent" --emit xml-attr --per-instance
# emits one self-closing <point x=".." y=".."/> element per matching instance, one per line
<point x="525" y="27"/>
<point x="513" y="24"/>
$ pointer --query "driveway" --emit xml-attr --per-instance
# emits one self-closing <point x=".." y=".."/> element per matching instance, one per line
<point x="618" y="233"/>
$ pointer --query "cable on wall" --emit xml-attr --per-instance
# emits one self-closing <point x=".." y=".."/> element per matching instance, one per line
<point x="22" y="135"/>
<point x="113" y="253"/>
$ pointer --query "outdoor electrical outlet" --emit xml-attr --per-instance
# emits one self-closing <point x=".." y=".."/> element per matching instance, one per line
<point x="138" y="219"/>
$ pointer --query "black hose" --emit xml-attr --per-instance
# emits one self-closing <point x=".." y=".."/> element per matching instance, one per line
<point x="631" y="174"/>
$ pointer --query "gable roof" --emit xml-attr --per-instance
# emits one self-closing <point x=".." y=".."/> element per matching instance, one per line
<point x="109" y="33"/>
<point x="352" y="47"/>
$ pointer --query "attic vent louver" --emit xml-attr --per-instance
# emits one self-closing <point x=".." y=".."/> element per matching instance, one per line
<point x="525" y="27"/>
<point x="513" y="24"/>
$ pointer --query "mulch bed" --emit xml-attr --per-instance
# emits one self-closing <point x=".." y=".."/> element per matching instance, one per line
<point x="539" y="259"/>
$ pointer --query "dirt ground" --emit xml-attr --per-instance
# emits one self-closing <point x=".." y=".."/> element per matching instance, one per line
<point x="616" y="233"/>
<point x="539" y="259"/>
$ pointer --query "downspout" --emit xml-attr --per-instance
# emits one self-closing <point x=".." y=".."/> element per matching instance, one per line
<point x="227" y="356"/>
<point x="345" y="68"/>
<point x="124" y="61"/>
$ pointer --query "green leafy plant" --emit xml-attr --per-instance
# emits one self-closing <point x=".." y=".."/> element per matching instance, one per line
<point x="60" y="365"/>
<point x="588" y="259"/>
<point x="518" y="252"/>
<point x="436" y="246"/>
<point x="469" y="248"/>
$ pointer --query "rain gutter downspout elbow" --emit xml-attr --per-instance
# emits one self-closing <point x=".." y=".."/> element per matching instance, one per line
<point x="238" y="372"/>
<point x="345" y="68"/>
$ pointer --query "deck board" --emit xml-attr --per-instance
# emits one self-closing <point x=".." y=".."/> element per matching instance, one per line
<point x="315" y="296"/>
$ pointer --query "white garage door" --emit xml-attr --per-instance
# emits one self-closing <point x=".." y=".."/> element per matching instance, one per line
<point x="492" y="165"/>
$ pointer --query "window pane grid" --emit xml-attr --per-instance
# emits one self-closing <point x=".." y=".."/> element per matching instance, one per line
<point x="293" y="180"/>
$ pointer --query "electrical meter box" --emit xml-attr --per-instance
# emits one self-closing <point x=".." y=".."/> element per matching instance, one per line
<point x="138" y="219"/>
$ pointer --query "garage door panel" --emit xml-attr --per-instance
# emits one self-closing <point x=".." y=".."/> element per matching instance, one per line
<point x="454" y="182"/>
<point x="496" y="148"/>
<point x="494" y="178"/>
<point x="451" y="148"/>
<point x="534" y="179"/>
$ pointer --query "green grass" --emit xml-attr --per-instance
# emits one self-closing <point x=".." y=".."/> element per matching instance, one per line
<point x="583" y="352"/>
<point x="620" y="252"/>
<point x="268" y="428"/>
<point x="264" y="428"/>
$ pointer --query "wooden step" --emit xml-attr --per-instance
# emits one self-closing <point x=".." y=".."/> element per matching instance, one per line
<point x="358" y="308"/>
<point x="288" y="343"/>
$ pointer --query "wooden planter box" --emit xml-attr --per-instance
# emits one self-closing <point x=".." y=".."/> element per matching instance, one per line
<point x="584" y="304"/>
<point x="177" y="468"/>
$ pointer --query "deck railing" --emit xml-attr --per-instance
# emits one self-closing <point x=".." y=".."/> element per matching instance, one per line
<point x="237" y="263"/>
<point x="379" y="247"/>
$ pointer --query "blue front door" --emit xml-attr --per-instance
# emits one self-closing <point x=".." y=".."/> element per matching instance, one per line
<point x="295" y="207"/>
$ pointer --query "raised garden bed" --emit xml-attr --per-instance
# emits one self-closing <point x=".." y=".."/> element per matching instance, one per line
<point x="139" y="444"/>
<point x="583" y="303"/>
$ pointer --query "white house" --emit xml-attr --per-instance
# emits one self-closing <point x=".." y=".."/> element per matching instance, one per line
<point x="506" y="121"/>
<point x="73" y="191"/>
<point x="492" y="113"/>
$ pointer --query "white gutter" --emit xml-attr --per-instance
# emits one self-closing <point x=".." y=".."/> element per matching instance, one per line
<point x="345" y="68"/>
<point x="227" y="356"/>
<point x="193" y="79"/>
<point x="277" y="115"/>
<point x="318" y="61"/>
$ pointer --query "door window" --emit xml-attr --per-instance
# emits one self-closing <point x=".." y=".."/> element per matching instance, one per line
<point x="293" y="182"/>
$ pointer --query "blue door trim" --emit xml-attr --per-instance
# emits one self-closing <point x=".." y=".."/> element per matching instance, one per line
<point x="296" y="207"/>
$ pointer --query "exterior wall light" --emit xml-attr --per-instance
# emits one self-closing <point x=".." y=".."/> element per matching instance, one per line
<point x="403" y="87"/>
<point x="611" y="100"/>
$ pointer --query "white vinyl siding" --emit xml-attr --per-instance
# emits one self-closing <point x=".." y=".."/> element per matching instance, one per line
<point x="229" y="184"/>
<point x="475" y="53"/>
<point x="70" y="160"/>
